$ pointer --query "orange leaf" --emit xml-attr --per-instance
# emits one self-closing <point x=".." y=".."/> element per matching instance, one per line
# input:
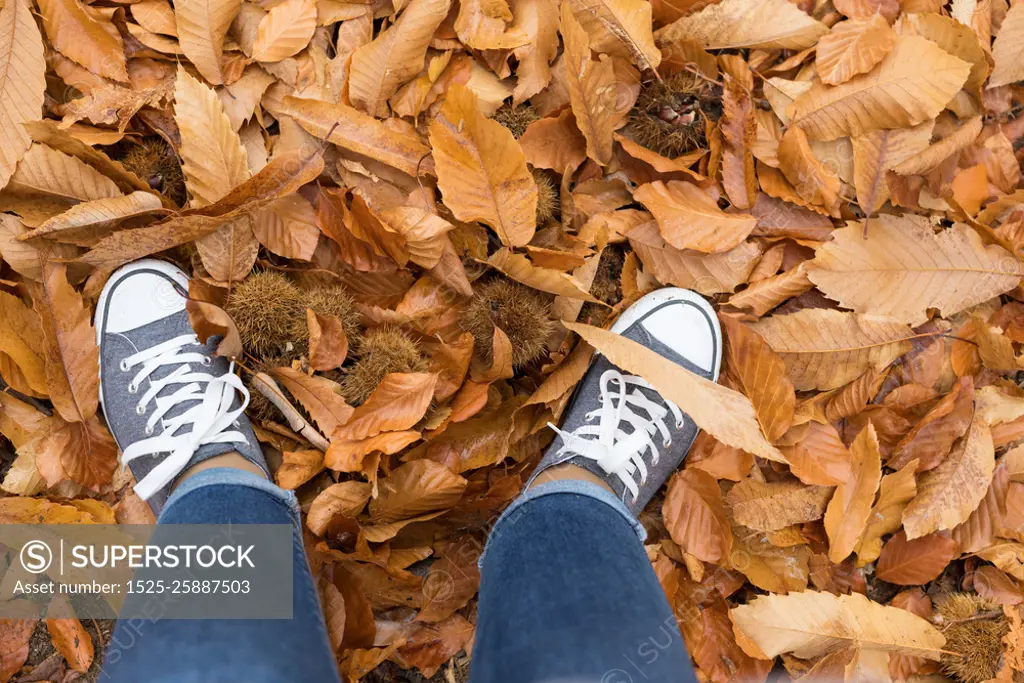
<point x="328" y="344"/>
<point x="813" y="181"/>
<point x="853" y="47"/>
<point x="690" y="219"/>
<point x="762" y="377"/>
<point x="895" y="492"/>
<point x="15" y="635"/>
<point x="481" y="170"/>
<point x="83" y="452"/>
<point x="772" y="506"/>
<point x="347" y="455"/>
<point x="519" y="268"/>
<point x="431" y="645"/>
<point x="298" y="467"/>
<point x="554" y="143"/>
<point x="911" y="563"/>
<point x="346" y="498"/>
<point x="398" y="402"/>
<point x="318" y="395"/>
<point x="69" y="345"/>
<point x="210" y="320"/>
<point x="739" y="129"/>
<point x="820" y="457"/>
<point x="415" y="488"/>
<point x="453" y="580"/>
<point x="70" y="638"/>
<point x="993" y="584"/>
<point x="695" y="516"/>
<point x="931" y="438"/>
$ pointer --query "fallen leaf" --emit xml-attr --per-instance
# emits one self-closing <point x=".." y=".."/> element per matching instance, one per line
<point x="931" y="438"/>
<point x="1006" y="51"/>
<point x="911" y="563"/>
<point x="849" y="510"/>
<point x="810" y="624"/>
<point x="21" y="88"/>
<point x="739" y="131"/>
<point x="318" y="395"/>
<point x="346" y="498"/>
<point x="415" y="488"/>
<point x="815" y="183"/>
<point x="689" y="219"/>
<point x="695" y="516"/>
<point x="742" y="23"/>
<point x="298" y="467"/>
<point x="773" y="506"/>
<point x="86" y="35"/>
<point x="14" y="645"/>
<point x="904" y="256"/>
<point x="519" y="268"/>
<point x="398" y="403"/>
<point x="853" y="47"/>
<point x="948" y="494"/>
<point x="481" y="170"/>
<point x="286" y="29"/>
<point x="878" y="151"/>
<point x="896" y="490"/>
<point x="762" y="377"/>
<point x="620" y="26"/>
<point x="328" y="344"/>
<point x="821" y="457"/>
<point x="70" y="639"/>
<point x="202" y="27"/>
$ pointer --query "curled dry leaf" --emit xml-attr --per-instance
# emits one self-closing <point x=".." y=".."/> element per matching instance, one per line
<point x="481" y="170"/>
<point x="896" y="490"/>
<point x="415" y="488"/>
<point x="695" y="516"/>
<point x="328" y="344"/>
<point x="811" y="624"/>
<point x="903" y="256"/>
<point x="210" y="320"/>
<point x="747" y="23"/>
<point x="69" y="636"/>
<point x="398" y="403"/>
<point x="21" y="88"/>
<point x="812" y="180"/>
<point x="762" y="377"/>
<point x="723" y="413"/>
<point x="519" y="268"/>
<point x="850" y="508"/>
<point x="690" y="219"/>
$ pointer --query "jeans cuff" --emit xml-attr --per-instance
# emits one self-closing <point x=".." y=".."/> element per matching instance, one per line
<point x="564" y="486"/>
<point x="230" y="476"/>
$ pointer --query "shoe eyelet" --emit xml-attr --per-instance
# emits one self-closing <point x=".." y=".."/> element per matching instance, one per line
<point x="124" y="365"/>
<point x="132" y="389"/>
<point x="149" y="431"/>
<point x="207" y="360"/>
<point x="140" y="409"/>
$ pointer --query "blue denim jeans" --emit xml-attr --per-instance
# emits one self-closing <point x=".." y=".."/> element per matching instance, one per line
<point x="567" y="596"/>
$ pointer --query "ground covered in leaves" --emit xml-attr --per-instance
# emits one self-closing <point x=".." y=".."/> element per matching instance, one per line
<point x="412" y="221"/>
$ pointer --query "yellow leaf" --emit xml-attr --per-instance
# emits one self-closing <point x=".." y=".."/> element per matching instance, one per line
<point x="20" y="338"/>
<point x="948" y="494"/>
<point x="85" y="223"/>
<point x="853" y="47"/>
<point x="599" y="101"/>
<point x="481" y="170"/>
<point x="1008" y="50"/>
<point x="285" y="30"/>
<point x="930" y="157"/>
<point x="773" y="506"/>
<point x="202" y="27"/>
<point x="620" y="26"/>
<point x="725" y="414"/>
<point x="911" y="85"/>
<point x="777" y="24"/>
<point x="484" y="25"/>
<point x="519" y="268"/>
<point x="539" y="20"/>
<point x="825" y="349"/>
<point x="894" y="272"/>
<point x="811" y="624"/>
<point x="690" y="219"/>
<point x="849" y="510"/>
<point x="86" y="35"/>
<point x="812" y="180"/>
<point x="394" y="57"/>
<point x="21" y="84"/>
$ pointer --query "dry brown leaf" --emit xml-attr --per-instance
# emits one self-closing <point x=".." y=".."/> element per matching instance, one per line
<point x="695" y="516"/>
<point x="812" y="180"/>
<point x="538" y="19"/>
<point x="84" y="452"/>
<point x="48" y="182"/>
<point x="484" y="25"/>
<point x="15" y="635"/>
<point x="620" y="26"/>
<point x="876" y="152"/>
<point x="415" y="488"/>
<point x="825" y="349"/>
<point x="762" y="377"/>
<point x="398" y="403"/>
<point x="931" y="438"/>
<point x="328" y="345"/>
<point x="347" y="498"/>
<point x="202" y="27"/>
<point x="897" y="489"/>
<point x="21" y="87"/>
<point x="362" y="134"/>
<point x="948" y="494"/>
<point x="288" y="228"/>
<point x="453" y="580"/>
<point x="298" y="467"/>
<point x="85" y="223"/>
<point x="554" y="143"/>
<point x="599" y="101"/>
<point x="979" y="530"/>
<point x="346" y="455"/>
<point x="892" y="274"/>
<point x="210" y="320"/>
<point x="318" y="395"/>
<point x="519" y="268"/>
<point x="929" y="158"/>
<point x="481" y="170"/>
<point x="394" y="57"/>
<point x="71" y="355"/>
<point x="690" y="219"/>
<point x="911" y="85"/>
<point x="850" y="508"/>
<point x="853" y="47"/>
<point x="284" y="30"/>
<point x="912" y="563"/>
<point x="811" y="624"/>
<point x="20" y="338"/>
<point x="739" y="131"/>
<point x="820" y="457"/>
<point x="992" y="584"/>
<point x="86" y="35"/>
<point x="747" y="23"/>
<point x="773" y="506"/>
<point x="723" y="413"/>
<point x="1007" y="50"/>
<point x="71" y="640"/>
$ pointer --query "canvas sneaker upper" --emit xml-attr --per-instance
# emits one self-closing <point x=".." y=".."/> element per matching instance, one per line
<point x="617" y="425"/>
<point x="169" y="401"/>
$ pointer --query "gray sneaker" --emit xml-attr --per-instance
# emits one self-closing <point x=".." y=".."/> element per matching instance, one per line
<point x="617" y="426"/>
<point x="168" y="400"/>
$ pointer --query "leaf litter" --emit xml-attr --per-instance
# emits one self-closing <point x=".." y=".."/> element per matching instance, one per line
<point x="412" y="224"/>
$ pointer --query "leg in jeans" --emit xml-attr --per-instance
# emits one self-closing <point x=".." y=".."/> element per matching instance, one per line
<point x="214" y="651"/>
<point x="568" y="595"/>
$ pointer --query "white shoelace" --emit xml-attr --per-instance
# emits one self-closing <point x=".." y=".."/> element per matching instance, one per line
<point x="203" y="423"/>
<point x="612" y="448"/>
